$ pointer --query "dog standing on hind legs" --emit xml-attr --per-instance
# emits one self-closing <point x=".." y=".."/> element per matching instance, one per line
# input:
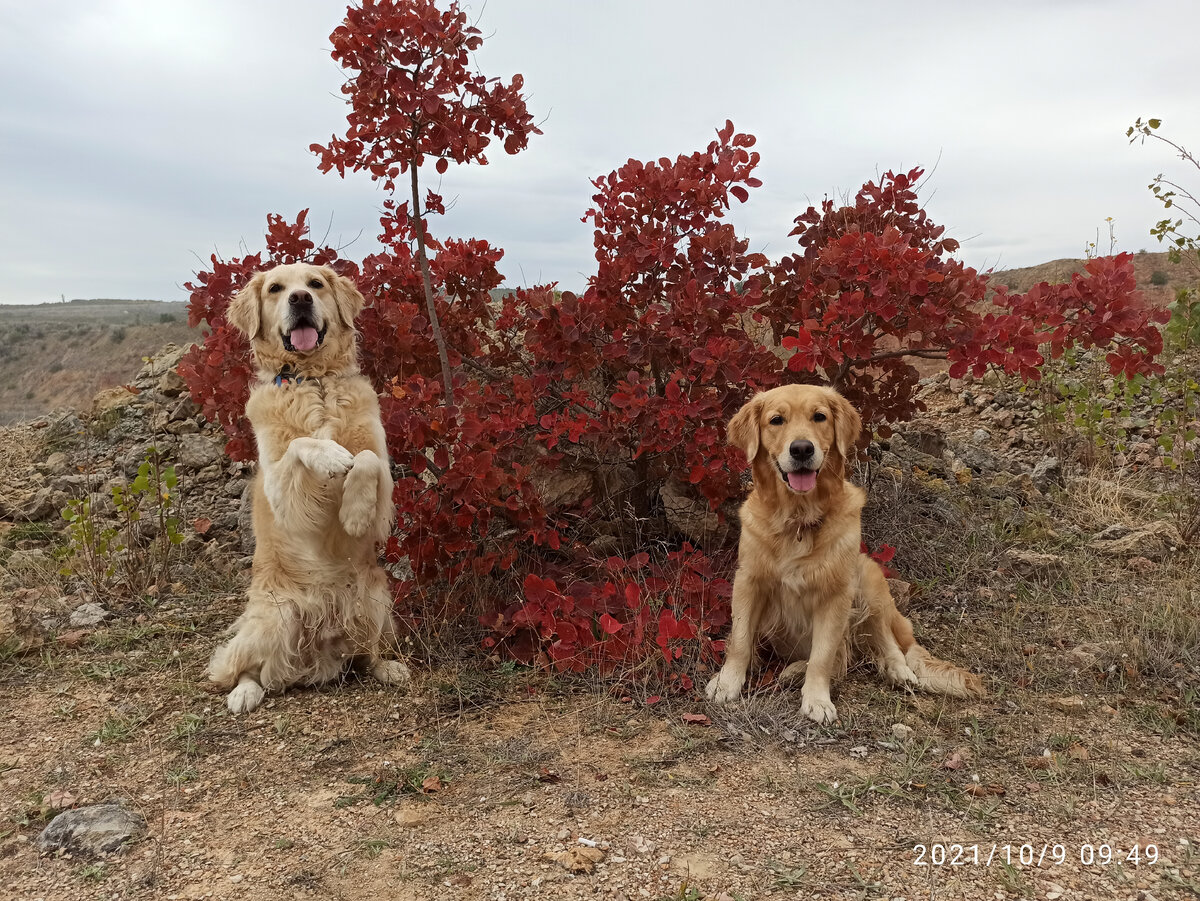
<point x="802" y="581"/>
<point x="318" y="598"/>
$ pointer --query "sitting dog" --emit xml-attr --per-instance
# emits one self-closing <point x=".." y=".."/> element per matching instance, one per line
<point x="318" y="597"/>
<point x="802" y="581"/>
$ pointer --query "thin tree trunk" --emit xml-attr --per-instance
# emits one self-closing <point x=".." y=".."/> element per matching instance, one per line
<point x="438" y="337"/>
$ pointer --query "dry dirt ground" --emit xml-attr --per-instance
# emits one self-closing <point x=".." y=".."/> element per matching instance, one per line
<point x="1075" y="778"/>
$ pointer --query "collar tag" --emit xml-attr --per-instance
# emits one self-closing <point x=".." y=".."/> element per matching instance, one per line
<point x="287" y="376"/>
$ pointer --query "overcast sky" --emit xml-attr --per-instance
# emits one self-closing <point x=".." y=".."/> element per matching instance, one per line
<point x="137" y="138"/>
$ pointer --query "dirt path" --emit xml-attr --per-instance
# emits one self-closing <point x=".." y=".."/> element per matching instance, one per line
<point x="492" y="784"/>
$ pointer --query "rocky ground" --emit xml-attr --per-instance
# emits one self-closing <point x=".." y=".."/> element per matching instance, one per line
<point x="1070" y="590"/>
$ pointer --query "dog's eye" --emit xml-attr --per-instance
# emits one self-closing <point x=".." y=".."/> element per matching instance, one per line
<point x="315" y="283"/>
<point x="776" y="420"/>
<point x="819" y="417"/>
<point x="275" y="288"/>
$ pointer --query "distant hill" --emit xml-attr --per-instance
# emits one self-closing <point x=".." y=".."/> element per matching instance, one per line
<point x="1145" y="265"/>
<point x="58" y="355"/>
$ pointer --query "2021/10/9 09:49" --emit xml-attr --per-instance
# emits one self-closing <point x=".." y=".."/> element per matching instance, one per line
<point x="956" y="855"/>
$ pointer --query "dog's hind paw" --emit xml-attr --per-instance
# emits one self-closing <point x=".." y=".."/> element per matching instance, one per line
<point x="900" y="676"/>
<point x="391" y="672"/>
<point x="246" y="696"/>
<point x="794" y="671"/>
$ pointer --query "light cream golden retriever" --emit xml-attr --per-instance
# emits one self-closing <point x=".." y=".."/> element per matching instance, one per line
<point x="318" y="597"/>
<point x="802" y="582"/>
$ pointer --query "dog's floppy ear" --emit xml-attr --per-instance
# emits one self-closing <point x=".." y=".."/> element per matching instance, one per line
<point x="245" y="310"/>
<point x="744" y="427"/>
<point x="847" y="424"/>
<point x="346" y="296"/>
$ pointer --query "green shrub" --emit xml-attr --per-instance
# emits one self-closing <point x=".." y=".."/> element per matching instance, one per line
<point x="1158" y="277"/>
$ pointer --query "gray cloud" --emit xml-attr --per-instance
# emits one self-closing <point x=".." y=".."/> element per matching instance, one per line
<point x="136" y="138"/>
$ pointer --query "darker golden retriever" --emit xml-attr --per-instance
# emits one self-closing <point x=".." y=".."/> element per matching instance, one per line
<point x="802" y="581"/>
<point x="318" y="597"/>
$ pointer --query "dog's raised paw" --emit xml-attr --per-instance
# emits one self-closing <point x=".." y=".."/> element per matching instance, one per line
<point x="360" y="495"/>
<point x="329" y="459"/>
<point x="246" y="696"/>
<point x="391" y="672"/>
<point x="357" y="515"/>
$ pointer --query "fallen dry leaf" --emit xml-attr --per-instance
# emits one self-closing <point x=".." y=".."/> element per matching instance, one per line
<point x="953" y="762"/>
<point x="696" y="719"/>
<point x="1072" y="704"/>
<point x="73" y="638"/>
<point x="59" y="800"/>
<point x="431" y="784"/>
<point x="202" y="525"/>
<point x="1077" y="752"/>
<point x="576" y="860"/>
<point x="548" y="776"/>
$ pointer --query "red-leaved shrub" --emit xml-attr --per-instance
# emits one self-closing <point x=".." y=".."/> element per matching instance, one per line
<point x="573" y="499"/>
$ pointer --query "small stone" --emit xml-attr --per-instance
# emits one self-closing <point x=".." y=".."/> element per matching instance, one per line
<point x="99" y="829"/>
<point x="85" y="616"/>
<point x="410" y="817"/>
<point x="197" y="452"/>
<point x="1047" y="474"/>
<point x="901" y="731"/>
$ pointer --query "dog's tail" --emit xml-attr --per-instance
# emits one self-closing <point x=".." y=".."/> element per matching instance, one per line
<point x="932" y="674"/>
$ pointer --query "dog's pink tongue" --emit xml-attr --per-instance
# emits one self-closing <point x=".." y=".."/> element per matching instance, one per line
<point x="304" y="338"/>
<point x="802" y="481"/>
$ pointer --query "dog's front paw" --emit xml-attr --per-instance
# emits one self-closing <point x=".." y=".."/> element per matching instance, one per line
<point x="818" y="707"/>
<point x="328" y="459"/>
<point x="357" y="514"/>
<point x="723" y="688"/>
<point x="391" y="672"/>
<point x="246" y="696"/>
<point x="360" y="497"/>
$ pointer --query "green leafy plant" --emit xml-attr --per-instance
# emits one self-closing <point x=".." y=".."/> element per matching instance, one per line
<point x="91" y="549"/>
<point x="1180" y="232"/>
<point x="136" y="550"/>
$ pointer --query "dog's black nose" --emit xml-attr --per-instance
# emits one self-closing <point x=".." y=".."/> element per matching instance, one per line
<point x="299" y="298"/>
<point x="801" y="449"/>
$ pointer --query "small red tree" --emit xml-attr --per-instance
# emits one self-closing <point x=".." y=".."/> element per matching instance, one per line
<point x="412" y="95"/>
<point x="652" y="359"/>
